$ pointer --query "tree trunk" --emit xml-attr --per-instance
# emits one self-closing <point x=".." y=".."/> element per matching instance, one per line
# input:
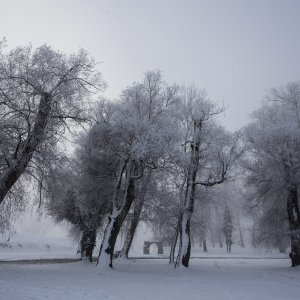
<point x="184" y="252"/>
<point x="138" y="207"/>
<point x="294" y="222"/>
<point x="174" y="243"/>
<point x="204" y="245"/>
<point x="219" y="228"/>
<point x="213" y="243"/>
<point x="10" y="176"/>
<point x="132" y="228"/>
<point x="241" y="234"/>
<point x="192" y="237"/>
<point x="88" y="243"/>
<point x="220" y="240"/>
<point x="203" y="238"/>
<point x="112" y="230"/>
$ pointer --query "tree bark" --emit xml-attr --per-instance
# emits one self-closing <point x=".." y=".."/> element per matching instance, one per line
<point x="10" y="176"/>
<point x="88" y="243"/>
<point x="294" y="222"/>
<point x="185" y="242"/>
<point x="132" y="228"/>
<point x="138" y="207"/>
<point x="112" y="230"/>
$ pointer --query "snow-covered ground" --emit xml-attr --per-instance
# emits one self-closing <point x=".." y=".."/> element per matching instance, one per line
<point x="22" y="246"/>
<point x="153" y="279"/>
<point x="29" y="246"/>
<point x="212" y="275"/>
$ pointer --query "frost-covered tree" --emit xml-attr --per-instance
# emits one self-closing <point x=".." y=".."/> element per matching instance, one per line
<point x="79" y="191"/>
<point x="230" y="194"/>
<point x="273" y="164"/>
<point x="41" y="90"/>
<point x="227" y="228"/>
<point x="140" y="134"/>
<point x="271" y="225"/>
<point x="11" y="209"/>
<point x="210" y="153"/>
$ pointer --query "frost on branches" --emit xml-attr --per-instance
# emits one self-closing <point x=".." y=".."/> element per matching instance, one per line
<point x="274" y="158"/>
<point x="41" y="90"/>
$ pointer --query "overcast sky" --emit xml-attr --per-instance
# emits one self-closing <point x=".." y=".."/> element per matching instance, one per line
<point x="235" y="49"/>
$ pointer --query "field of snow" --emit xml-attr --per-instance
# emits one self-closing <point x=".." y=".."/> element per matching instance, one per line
<point x="153" y="279"/>
<point x="26" y="246"/>
<point x="246" y="273"/>
<point x="30" y="246"/>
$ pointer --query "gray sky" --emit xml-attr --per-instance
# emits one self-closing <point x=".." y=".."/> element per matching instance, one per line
<point x="234" y="49"/>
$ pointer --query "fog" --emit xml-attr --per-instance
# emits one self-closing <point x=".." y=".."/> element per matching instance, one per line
<point x="237" y="50"/>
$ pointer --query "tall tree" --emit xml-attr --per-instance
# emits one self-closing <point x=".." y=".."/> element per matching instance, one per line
<point x="211" y="153"/>
<point x="78" y="191"/>
<point x="40" y="91"/>
<point x="140" y="135"/>
<point x="274" y="165"/>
